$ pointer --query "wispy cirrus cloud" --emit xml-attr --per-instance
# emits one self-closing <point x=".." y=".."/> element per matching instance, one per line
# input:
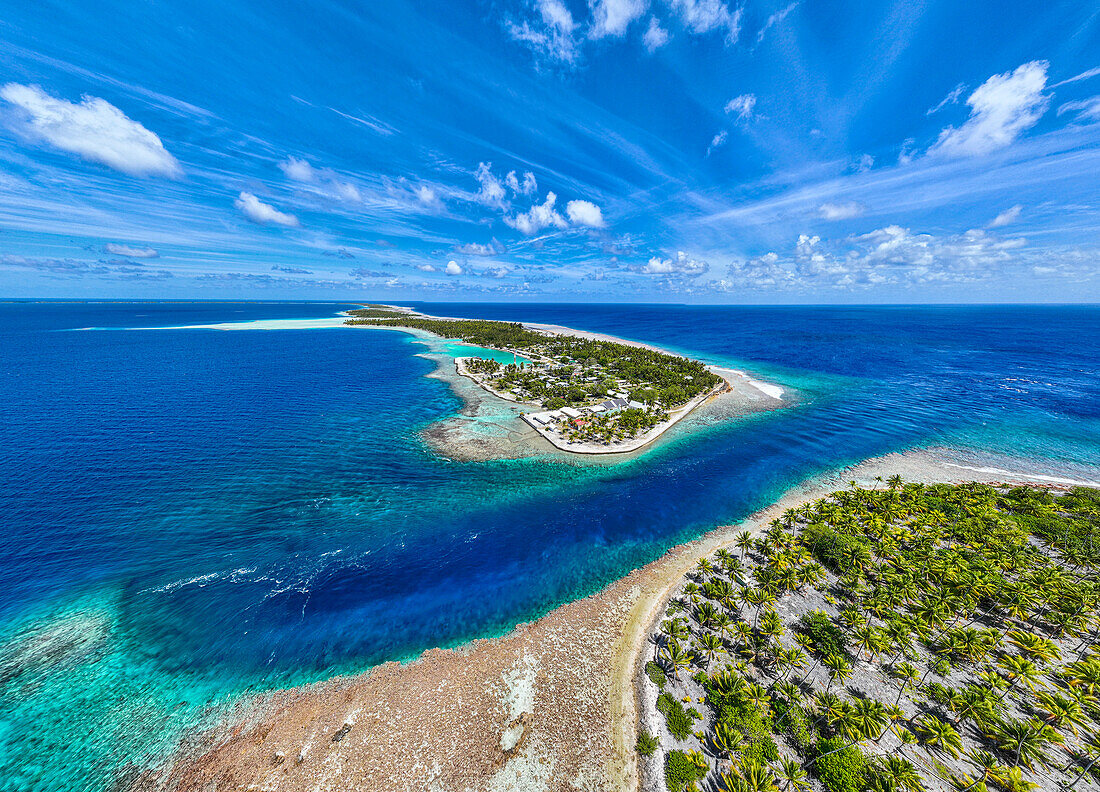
<point x="130" y="251"/>
<point x="93" y="129"/>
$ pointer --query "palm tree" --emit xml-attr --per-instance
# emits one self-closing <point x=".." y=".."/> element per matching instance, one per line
<point x="838" y="669"/>
<point x="789" y="660"/>
<point x="989" y="769"/>
<point x="793" y="776"/>
<point x="899" y="772"/>
<point x="1092" y="748"/>
<point x="1033" y="646"/>
<point x="710" y="645"/>
<point x="1018" y="668"/>
<point x="676" y="657"/>
<point x="1059" y="711"/>
<point x="938" y="735"/>
<point x="1025" y="740"/>
<point x="750" y="776"/>
<point x="743" y="542"/>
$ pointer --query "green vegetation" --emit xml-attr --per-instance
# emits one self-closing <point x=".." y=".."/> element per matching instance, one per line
<point x="931" y="636"/>
<point x="840" y="765"/>
<point x="569" y="370"/>
<point x="825" y="637"/>
<point x="682" y="770"/>
<point x="678" y="719"/>
<point x="647" y="744"/>
<point x="656" y="674"/>
<point x="373" y="312"/>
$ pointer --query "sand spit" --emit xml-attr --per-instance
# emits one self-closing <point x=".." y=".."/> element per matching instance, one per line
<point x="552" y="705"/>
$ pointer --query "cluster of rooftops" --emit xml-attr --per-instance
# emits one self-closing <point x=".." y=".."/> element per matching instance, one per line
<point x="549" y="418"/>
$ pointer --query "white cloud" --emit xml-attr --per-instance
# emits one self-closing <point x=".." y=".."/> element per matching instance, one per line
<point x="453" y="268"/>
<point x="1007" y="217"/>
<point x="584" y="213"/>
<point x="491" y="192"/>
<point x="116" y="249"/>
<point x="527" y="187"/>
<point x="475" y="249"/>
<point x="741" y="107"/>
<point x="1089" y="109"/>
<point x="1001" y="109"/>
<point x="655" y="36"/>
<point x="1088" y="74"/>
<point x="538" y="217"/>
<point x="840" y="211"/>
<point x="775" y="19"/>
<point x="426" y="195"/>
<point x="951" y="98"/>
<point x="298" y="169"/>
<point x="550" y="34"/>
<point x="427" y="268"/>
<point x="704" y="16"/>
<point x="613" y="17"/>
<point x="864" y="163"/>
<point x="681" y="265"/>
<point x="265" y="214"/>
<point x="717" y="141"/>
<point x="95" y="130"/>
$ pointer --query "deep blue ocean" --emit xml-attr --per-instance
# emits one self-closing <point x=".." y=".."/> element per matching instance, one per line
<point x="187" y="516"/>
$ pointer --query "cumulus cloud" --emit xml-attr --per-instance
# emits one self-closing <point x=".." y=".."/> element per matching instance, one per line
<point x="265" y="214"/>
<point x="655" y="36"/>
<point x="427" y="268"/>
<point x="549" y="32"/>
<point x="117" y="249"/>
<point x="584" y="213"/>
<point x="1007" y="217"/>
<point x="527" y="187"/>
<point x="704" y="16"/>
<point x="298" y="169"/>
<point x="427" y="196"/>
<point x="741" y="107"/>
<point x="613" y="17"/>
<point x="491" y="192"/>
<point x="453" y="268"/>
<point x="538" y="217"/>
<point x="888" y="255"/>
<point x="476" y="249"/>
<point x="717" y="141"/>
<point x="681" y="265"/>
<point x="840" y="211"/>
<point x="1001" y="109"/>
<point x="94" y="130"/>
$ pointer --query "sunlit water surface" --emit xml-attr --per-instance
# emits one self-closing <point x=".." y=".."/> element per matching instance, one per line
<point x="190" y="515"/>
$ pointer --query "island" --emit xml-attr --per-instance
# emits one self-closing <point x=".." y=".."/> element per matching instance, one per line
<point x="584" y="394"/>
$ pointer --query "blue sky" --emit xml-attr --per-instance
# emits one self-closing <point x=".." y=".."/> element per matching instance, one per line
<point x="610" y="150"/>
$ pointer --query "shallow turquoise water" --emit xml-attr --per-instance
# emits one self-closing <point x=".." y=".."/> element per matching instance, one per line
<point x="456" y="349"/>
<point x="192" y="515"/>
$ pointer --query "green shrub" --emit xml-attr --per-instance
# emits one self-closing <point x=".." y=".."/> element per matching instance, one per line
<point x="680" y="771"/>
<point x="647" y="743"/>
<point x="840" y="770"/>
<point x="790" y="719"/>
<point x="678" y="720"/>
<point x="826" y="636"/>
<point x="656" y="674"/>
<point x="761" y="750"/>
<point x="835" y="550"/>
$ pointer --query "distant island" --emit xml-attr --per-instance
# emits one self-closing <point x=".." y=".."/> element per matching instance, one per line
<point x="592" y="395"/>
